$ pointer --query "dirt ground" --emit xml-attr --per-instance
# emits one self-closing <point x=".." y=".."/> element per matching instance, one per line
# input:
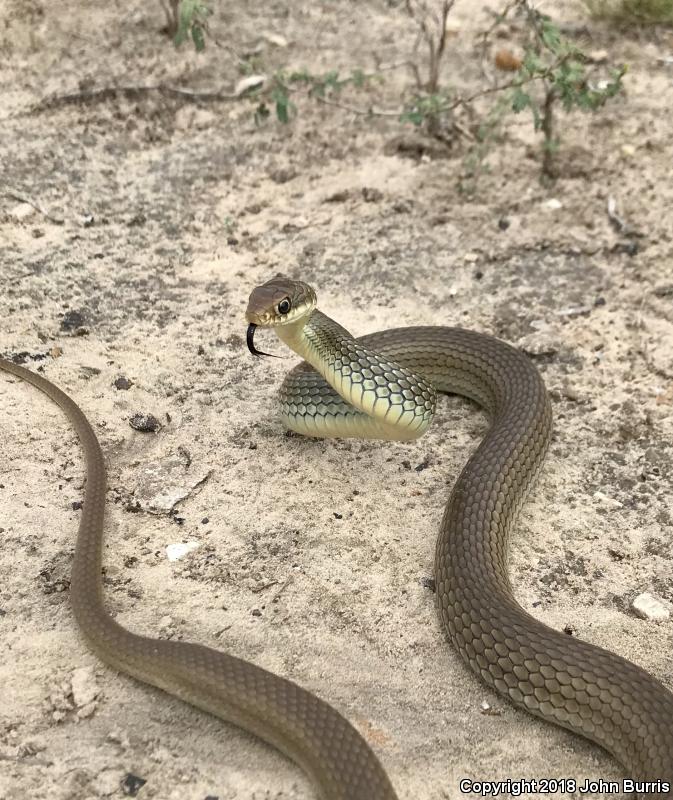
<point x="310" y="558"/>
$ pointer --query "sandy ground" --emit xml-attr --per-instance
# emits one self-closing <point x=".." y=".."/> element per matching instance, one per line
<point x="312" y="556"/>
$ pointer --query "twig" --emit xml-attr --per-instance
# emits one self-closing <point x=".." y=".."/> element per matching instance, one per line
<point x="277" y="595"/>
<point x="21" y="199"/>
<point x="435" y="40"/>
<point x="365" y="112"/>
<point x="110" y="91"/>
<point x="548" y="166"/>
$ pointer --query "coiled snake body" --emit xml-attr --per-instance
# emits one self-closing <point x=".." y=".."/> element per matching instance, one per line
<point x="384" y="386"/>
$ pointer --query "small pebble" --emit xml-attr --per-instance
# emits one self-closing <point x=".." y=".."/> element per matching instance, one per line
<point x="179" y="549"/>
<point x="123" y="383"/>
<point x="83" y="686"/>
<point x="652" y="607"/>
<point x="147" y="423"/>
<point x="132" y="784"/>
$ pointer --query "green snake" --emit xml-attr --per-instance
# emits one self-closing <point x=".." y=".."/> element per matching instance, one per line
<point x="384" y="386"/>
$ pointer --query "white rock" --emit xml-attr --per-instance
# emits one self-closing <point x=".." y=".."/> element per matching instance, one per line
<point x="180" y="549"/>
<point x="553" y="204"/>
<point x="652" y="607"/>
<point x="22" y="212"/>
<point x="275" y="39"/>
<point x="107" y="781"/>
<point x="162" y="484"/>
<point x="84" y="687"/>
<point x="249" y="83"/>
<point x="609" y="501"/>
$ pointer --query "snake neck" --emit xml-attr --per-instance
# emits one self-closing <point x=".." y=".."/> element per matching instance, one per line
<point x="314" y="337"/>
<point x="385" y="399"/>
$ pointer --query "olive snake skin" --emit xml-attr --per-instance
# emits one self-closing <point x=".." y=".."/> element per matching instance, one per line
<point x="384" y="385"/>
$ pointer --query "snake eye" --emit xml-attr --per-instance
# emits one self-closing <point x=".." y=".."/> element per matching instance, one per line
<point x="284" y="306"/>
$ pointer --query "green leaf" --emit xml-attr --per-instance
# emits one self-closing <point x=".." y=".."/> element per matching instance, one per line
<point x="198" y="38"/>
<point x="283" y="105"/>
<point x="551" y="35"/>
<point x="520" y="100"/>
<point x="282" y="111"/>
<point x="358" y="78"/>
<point x="413" y="116"/>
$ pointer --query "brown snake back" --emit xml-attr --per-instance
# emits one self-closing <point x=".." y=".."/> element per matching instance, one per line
<point x="577" y="685"/>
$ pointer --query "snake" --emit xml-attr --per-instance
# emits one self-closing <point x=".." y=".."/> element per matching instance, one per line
<point x="385" y="386"/>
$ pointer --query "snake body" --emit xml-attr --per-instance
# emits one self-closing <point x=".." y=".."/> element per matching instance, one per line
<point x="384" y="385"/>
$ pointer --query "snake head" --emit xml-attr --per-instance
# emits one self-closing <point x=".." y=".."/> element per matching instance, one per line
<point x="280" y="301"/>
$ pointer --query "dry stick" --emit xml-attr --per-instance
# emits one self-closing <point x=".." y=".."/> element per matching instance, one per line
<point x="548" y="166"/>
<point x="459" y="101"/>
<point x="436" y="42"/>
<point x="369" y="112"/>
<point x="21" y="199"/>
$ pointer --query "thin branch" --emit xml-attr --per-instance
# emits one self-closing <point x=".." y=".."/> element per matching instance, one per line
<point x="22" y="199"/>
<point x="363" y="112"/>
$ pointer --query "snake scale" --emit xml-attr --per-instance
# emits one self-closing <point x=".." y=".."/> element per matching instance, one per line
<point x="384" y="385"/>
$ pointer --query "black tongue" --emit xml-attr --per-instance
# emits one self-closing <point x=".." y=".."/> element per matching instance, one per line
<point x="250" y="339"/>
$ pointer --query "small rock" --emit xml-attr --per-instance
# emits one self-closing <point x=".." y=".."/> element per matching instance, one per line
<point x="628" y="150"/>
<point x="553" y="204"/>
<point x="598" y="56"/>
<point x="107" y="782"/>
<point x="29" y="747"/>
<point x="608" y="501"/>
<point x="86" y="711"/>
<point x="72" y="321"/>
<point x="371" y="195"/>
<point x="22" y="212"/>
<point x="539" y="344"/>
<point x="132" y="784"/>
<point x="452" y="27"/>
<point x="162" y="484"/>
<point x="165" y="622"/>
<point x="573" y="311"/>
<point x="249" y="83"/>
<point x="84" y="687"/>
<point x="119" y="737"/>
<point x="338" y="197"/>
<point x="178" y="550"/>
<point x="275" y="39"/>
<point x="652" y="607"/>
<point x="122" y="383"/>
<point x="283" y="174"/>
<point x="147" y="423"/>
